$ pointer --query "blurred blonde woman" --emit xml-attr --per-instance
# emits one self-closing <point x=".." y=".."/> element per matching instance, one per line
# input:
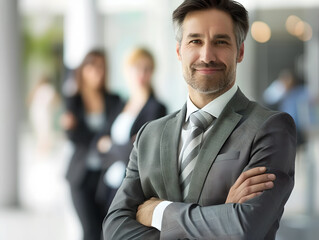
<point x="141" y="107"/>
<point x="89" y="112"/>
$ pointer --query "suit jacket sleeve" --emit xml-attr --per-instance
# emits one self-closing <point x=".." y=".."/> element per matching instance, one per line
<point x="120" y="222"/>
<point x="273" y="147"/>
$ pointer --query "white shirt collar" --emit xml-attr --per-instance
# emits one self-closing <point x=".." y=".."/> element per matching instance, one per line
<point x="215" y="107"/>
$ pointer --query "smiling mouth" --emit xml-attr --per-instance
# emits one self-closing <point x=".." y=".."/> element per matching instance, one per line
<point x="209" y="70"/>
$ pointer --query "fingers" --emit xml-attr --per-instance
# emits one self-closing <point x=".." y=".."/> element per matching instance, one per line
<point x="248" y="174"/>
<point x="263" y="178"/>
<point x="256" y="188"/>
<point x="145" y="211"/>
<point x="248" y="197"/>
<point x="149" y="202"/>
<point x="257" y="183"/>
<point x="250" y="184"/>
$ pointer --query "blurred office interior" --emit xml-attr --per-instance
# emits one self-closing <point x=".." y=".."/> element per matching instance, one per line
<point x="41" y="41"/>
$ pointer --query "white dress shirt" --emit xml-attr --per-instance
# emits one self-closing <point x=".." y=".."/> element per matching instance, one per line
<point x="214" y="108"/>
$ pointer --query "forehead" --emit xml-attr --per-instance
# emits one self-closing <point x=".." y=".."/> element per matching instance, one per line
<point x="213" y="21"/>
<point x="95" y="59"/>
<point x="140" y="59"/>
<point x="143" y="60"/>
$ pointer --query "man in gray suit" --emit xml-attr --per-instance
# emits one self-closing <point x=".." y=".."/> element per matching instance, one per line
<point x="222" y="190"/>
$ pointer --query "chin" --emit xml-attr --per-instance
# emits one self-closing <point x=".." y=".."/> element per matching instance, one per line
<point x="209" y="91"/>
<point x="213" y="90"/>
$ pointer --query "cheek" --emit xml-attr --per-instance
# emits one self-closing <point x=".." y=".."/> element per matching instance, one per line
<point x="227" y="57"/>
<point x="86" y="72"/>
<point x="91" y="73"/>
<point x="145" y="78"/>
<point x="189" y="55"/>
<point x="133" y="74"/>
<point x="93" y="78"/>
<point x="148" y="76"/>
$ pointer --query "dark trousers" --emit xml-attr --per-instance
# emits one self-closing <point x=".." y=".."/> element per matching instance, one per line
<point x="88" y="210"/>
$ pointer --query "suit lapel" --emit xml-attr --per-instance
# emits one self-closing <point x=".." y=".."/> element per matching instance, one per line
<point x="169" y="155"/>
<point x="222" y="129"/>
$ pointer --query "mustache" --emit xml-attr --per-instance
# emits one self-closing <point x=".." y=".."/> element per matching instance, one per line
<point x="209" y="65"/>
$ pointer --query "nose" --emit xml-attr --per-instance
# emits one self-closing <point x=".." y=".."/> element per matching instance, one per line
<point x="208" y="53"/>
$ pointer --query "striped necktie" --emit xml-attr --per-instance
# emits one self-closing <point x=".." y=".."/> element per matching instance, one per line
<point x="199" y="122"/>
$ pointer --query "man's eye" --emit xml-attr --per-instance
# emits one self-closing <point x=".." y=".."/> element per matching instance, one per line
<point x="221" y="42"/>
<point x="195" y="41"/>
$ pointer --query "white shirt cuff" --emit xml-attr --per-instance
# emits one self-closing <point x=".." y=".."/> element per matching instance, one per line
<point x="158" y="214"/>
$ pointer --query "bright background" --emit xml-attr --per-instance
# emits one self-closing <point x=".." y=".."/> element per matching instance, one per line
<point x="49" y="38"/>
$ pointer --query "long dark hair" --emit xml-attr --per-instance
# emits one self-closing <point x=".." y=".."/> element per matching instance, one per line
<point x="89" y="59"/>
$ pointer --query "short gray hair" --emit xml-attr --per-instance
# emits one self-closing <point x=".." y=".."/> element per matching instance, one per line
<point x="237" y="12"/>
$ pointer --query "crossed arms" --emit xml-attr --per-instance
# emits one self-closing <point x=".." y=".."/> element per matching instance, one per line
<point x="249" y="184"/>
<point x="249" y="212"/>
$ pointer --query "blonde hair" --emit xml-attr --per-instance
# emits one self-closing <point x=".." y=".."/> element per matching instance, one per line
<point x="137" y="54"/>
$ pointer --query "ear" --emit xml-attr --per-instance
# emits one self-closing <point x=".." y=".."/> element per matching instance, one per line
<point x="241" y="53"/>
<point x="178" y="51"/>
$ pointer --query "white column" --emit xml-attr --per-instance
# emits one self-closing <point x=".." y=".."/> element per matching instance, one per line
<point x="169" y="83"/>
<point x="9" y="101"/>
<point x="312" y="77"/>
<point x="82" y="31"/>
<point x="312" y="55"/>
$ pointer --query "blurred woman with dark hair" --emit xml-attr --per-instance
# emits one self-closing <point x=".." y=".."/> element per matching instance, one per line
<point x="89" y="112"/>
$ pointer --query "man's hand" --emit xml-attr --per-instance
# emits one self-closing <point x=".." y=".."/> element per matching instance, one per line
<point x="250" y="184"/>
<point x="145" y="211"/>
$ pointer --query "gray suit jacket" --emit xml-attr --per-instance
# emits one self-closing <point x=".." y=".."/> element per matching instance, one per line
<point x="244" y="136"/>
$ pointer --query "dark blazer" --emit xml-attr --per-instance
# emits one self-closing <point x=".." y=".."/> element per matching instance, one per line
<point x="82" y="137"/>
<point x="245" y="135"/>
<point x="152" y="110"/>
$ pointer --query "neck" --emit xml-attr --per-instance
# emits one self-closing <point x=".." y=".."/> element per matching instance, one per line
<point x="137" y="101"/>
<point x="93" y="100"/>
<point x="201" y="99"/>
<point x="140" y="95"/>
<point x="89" y="92"/>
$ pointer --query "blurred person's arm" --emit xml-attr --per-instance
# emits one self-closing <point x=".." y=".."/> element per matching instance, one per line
<point x="75" y="129"/>
<point x="110" y="151"/>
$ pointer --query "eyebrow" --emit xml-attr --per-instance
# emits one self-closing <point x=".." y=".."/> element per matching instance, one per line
<point x="195" y="35"/>
<point x="217" y="36"/>
<point x="223" y="36"/>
